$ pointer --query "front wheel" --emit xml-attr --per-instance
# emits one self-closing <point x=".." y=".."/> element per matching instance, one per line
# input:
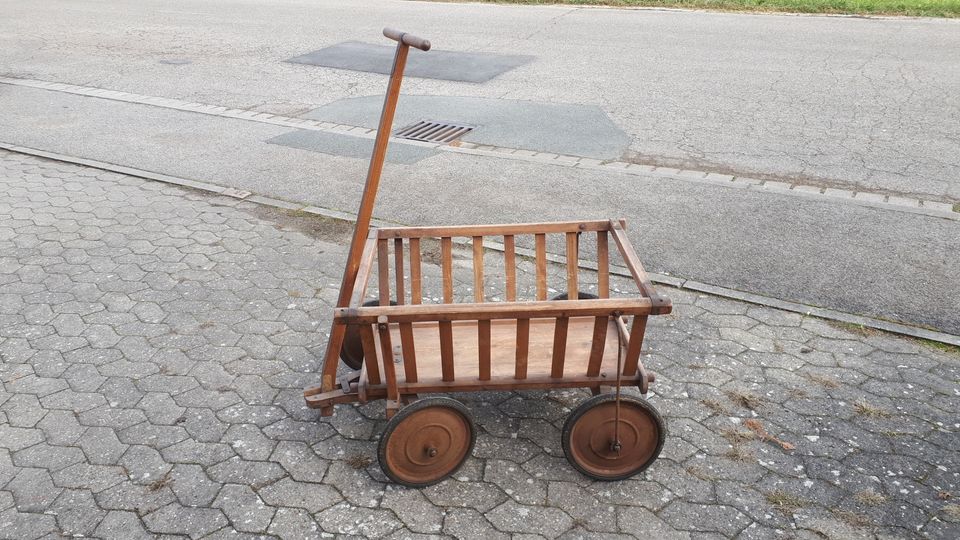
<point x="426" y="441"/>
<point x="590" y="443"/>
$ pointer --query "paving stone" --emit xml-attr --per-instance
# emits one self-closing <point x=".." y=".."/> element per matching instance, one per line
<point x="300" y="461"/>
<point x="76" y="512"/>
<point x="344" y="519"/>
<point x="295" y="523"/>
<point x="244" y="508"/>
<point x="416" y="512"/>
<point x="191" y="485"/>
<point x="176" y="519"/>
<point x="118" y="525"/>
<point x="33" y="490"/>
<point x="469" y="524"/>
<point x="293" y="494"/>
<point x="140" y="326"/>
<point x="516" y="518"/>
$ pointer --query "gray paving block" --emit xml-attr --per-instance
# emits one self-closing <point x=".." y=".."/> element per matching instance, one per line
<point x="564" y="129"/>
<point x="349" y="146"/>
<point x="472" y="67"/>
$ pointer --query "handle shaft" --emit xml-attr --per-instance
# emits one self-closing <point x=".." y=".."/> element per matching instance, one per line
<point x="407" y="39"/>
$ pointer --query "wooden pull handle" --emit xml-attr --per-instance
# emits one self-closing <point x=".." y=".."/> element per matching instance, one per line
<point x="407" y="39"/>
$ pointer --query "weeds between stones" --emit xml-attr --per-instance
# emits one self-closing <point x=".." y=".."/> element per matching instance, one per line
<point x="358" y="461"/>
<point x="745" y="399"/>
<point x="736" y="436"/>
<point x="714" y="406"/>
<point x="756" y="427"/>
<point x="870" y="497"/>
<point x="864" y="408"/>
<point x="952" y="511"/>
<point x="851" y="518"/>
<point x="740" y="454"/>
<point x="700" y="474"/>
<point x="825" y="382"/>
<point x="786" y="502"/>
<point x="160" y="483"/>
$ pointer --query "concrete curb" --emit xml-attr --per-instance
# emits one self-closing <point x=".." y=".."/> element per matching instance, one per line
<point x="873" y="199"/>
<point x="663" y="279"/>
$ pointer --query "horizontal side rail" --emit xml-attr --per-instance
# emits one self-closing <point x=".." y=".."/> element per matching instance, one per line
<point x="495" y="230"/>
<point x="499" y="310"/>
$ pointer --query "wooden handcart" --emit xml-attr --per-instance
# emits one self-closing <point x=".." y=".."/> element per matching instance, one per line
<point x="401" y="350"/>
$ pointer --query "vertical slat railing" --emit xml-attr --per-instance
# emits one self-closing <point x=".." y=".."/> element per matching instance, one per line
<point x="383" y="271"/>
<point x="632" y="359"/>
<point x="386" y="350"/>
<point x="416" y="276"/>
<point x="510" y="266"/>
<point x="370" y="353"/>
<point x="603" y="265"/>
<point x="446" y="330"/>
<point x="483" y="327"/>
<point x="573" y="265"/>
<point x="600" y="325"/>
<point x="541" y="248"/>
<point x="559" y="347"/>
<point x="408" y="352"/>
<point x="523" y="348"/>
<point x="400" y="293"/>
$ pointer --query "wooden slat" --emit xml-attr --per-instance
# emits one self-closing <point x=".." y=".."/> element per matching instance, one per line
<point x="573" y="265"/>
<point x="494" y="230"/>
<point x="383" y="269"/>
<point x="497" y="310"/>
<point x="510" y="266"/>
<point x="478" y="295"/>
<point x="363" y="273"/>
<point x="541" y="246"/>
<point x="370" y="353"/>
<point x="446" y="256"/>
<point x="603" y="265"/>
<point x="398" y="268"/>
<point x="597" y="345"/>
<point x="523" y="348"/>
<point x="409" y="352"/>
<point x="446" y="351"/>
<point x="483" y="349"/>
<point x="416" y="277"/>
<point x="661" y="304"/>
<point x="389" y="370"/>
<point x="559" y="347"/>
<point x="632" y="358"/>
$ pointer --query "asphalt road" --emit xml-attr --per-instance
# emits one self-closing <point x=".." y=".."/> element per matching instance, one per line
<point x="848" y="102"/>
<point x="851" y="101"/>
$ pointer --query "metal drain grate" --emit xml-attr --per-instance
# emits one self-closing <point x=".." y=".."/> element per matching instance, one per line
<point x="435" y="132"/>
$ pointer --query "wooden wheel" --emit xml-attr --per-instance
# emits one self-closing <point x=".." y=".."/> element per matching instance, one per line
<point x="588" y="437"/>
<point x="351" y="352"/>
<point x="426" y="441"/>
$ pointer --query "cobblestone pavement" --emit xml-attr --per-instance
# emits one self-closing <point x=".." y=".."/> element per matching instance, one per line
<point x="154" y="343"/>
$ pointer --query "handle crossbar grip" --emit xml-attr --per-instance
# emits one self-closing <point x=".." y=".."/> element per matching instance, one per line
<point x="407" y="39"/>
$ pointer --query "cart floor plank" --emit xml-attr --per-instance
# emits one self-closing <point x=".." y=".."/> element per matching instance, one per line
<point x="503" y="340"/>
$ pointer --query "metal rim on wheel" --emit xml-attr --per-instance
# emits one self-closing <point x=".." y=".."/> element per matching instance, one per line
<point x="426" y="441"/>
<point x="590" y="445"/>
<point x="351" y="351"/>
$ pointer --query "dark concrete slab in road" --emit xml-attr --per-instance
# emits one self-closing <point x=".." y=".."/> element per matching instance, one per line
<point x="559" y="128"/>
<point x="445" y="65"/>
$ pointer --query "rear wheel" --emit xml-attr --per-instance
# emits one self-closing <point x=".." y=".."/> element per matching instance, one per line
<point x="590" y="443"/>
<point x="351" y="352"/>
<point x="426" y="441"/>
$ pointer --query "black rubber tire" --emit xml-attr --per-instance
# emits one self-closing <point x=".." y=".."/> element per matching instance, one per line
<point x="592" y="402"/>
<point x="580" y="296"/>
<point x="351" y="351"/>
<point x="406" y="412"/>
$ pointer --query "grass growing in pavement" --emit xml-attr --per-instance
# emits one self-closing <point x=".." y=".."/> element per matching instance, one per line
<point x="919" y="8"/>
